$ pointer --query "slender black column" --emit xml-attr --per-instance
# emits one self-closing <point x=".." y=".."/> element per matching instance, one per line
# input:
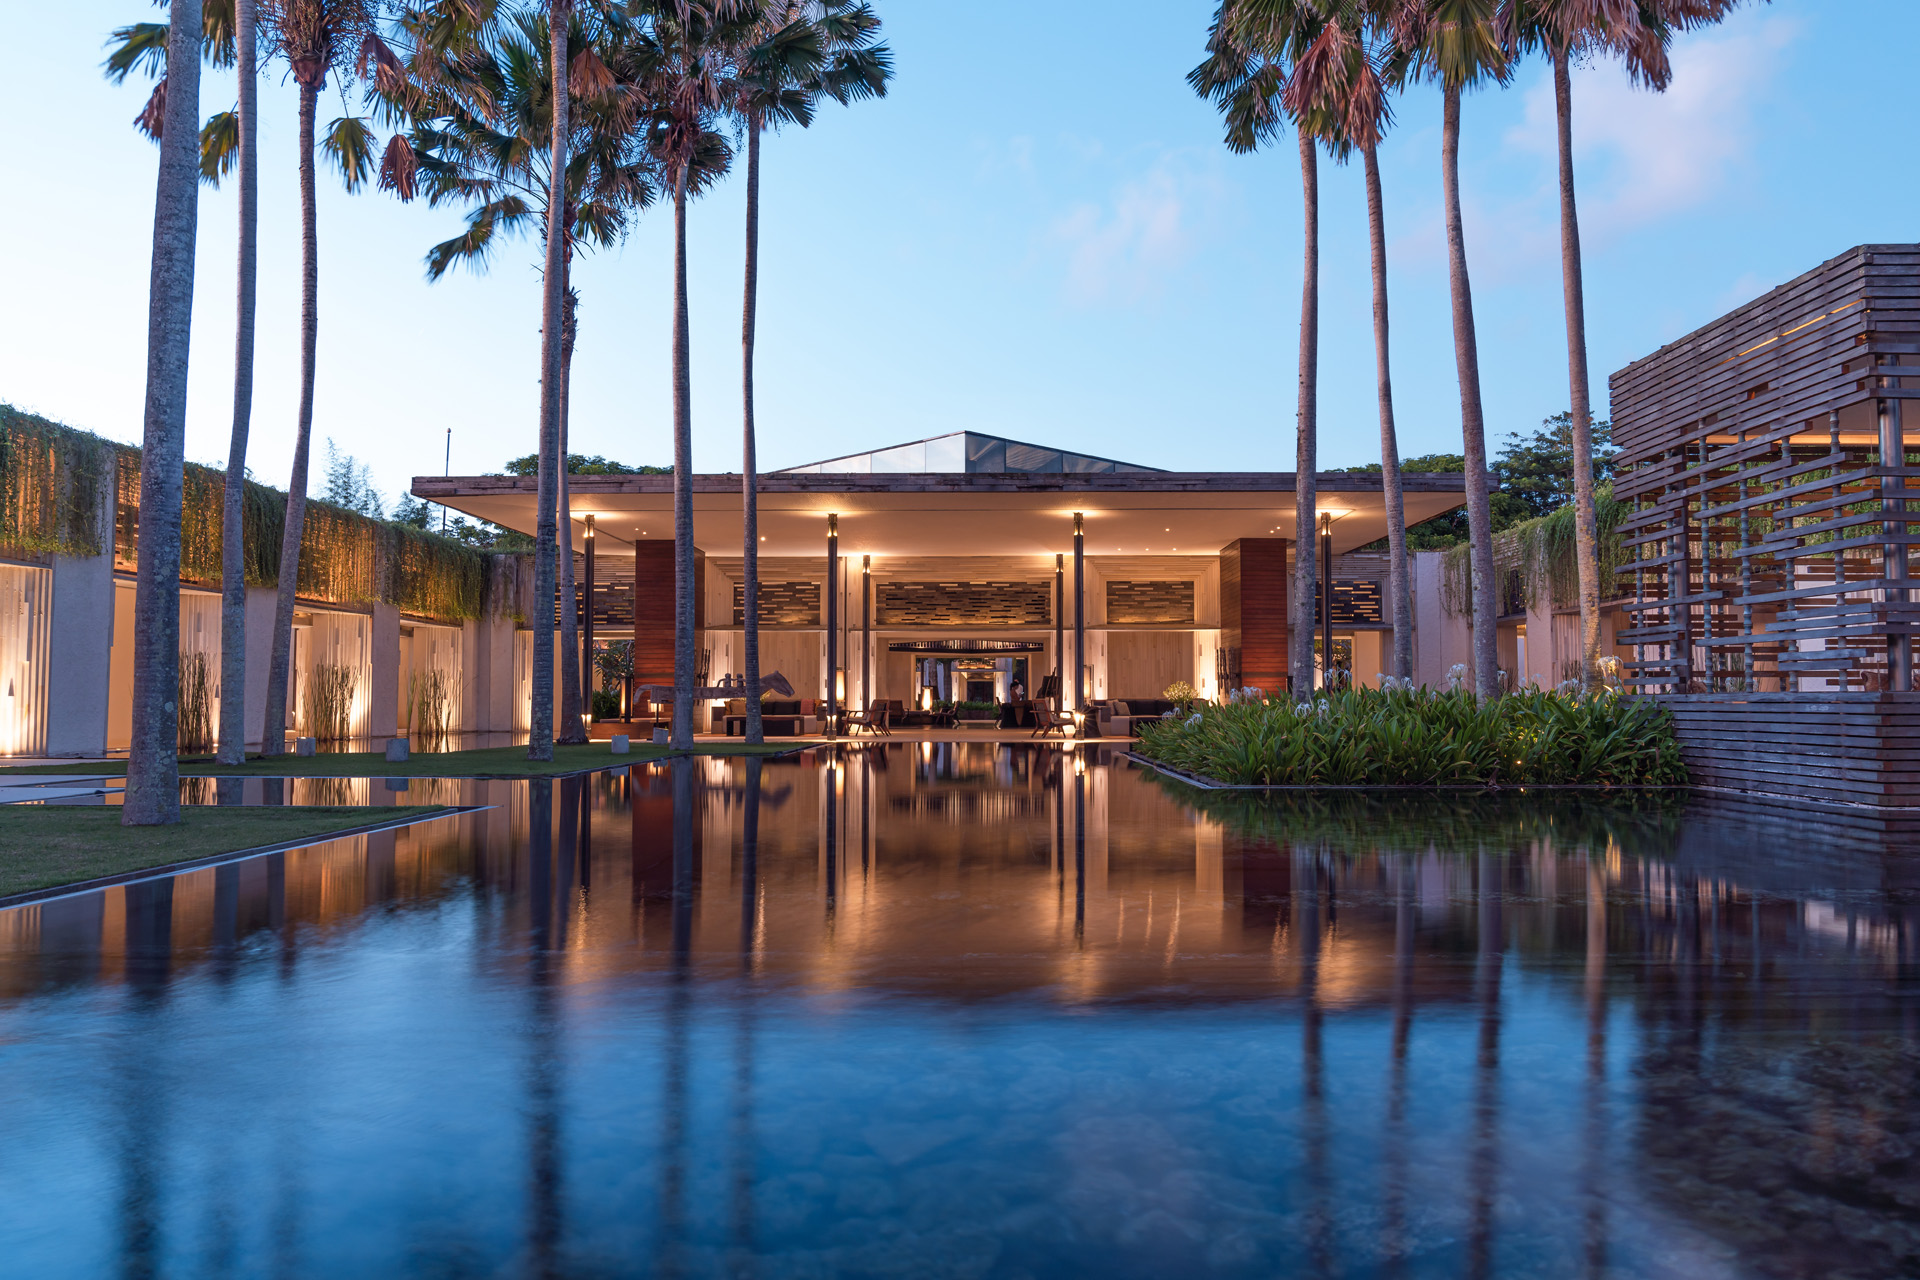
<point x="833" y="624"/>
<point x="866" y="630"/>
<point x="1079" y="612"/>
<point x="1326" y="602"/>
<point x="586" y="668"/>
<point x="1060" y="629"/>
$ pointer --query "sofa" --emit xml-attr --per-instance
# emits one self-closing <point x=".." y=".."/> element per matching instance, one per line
<point x="782" y="719"/>
<point x="1121" y="718"/>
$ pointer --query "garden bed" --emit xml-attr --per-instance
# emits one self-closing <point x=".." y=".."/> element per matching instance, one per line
<point x="1421" y="738"/>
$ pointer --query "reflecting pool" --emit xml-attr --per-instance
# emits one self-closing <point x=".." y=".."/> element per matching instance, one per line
<point x="977" y="1010"/>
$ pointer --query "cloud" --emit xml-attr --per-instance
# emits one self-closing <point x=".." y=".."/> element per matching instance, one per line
<point x="1640" y="156"/>
<point x="1130" y="244"/>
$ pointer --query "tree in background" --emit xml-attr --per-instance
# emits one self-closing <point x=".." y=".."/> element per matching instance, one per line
<point x="350" y="484"/>
<point x="1253" y="52"/>
<point x="797" y="52"/>
<point x="153" y="763"/>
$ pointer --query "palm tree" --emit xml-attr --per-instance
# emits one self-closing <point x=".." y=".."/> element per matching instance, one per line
<point x="1342" y="86"/>
<point x="1639" y="35"/>
<point x="1458" y="45"/>
<point x="1253" y="52"/>
<point x="689" y="86"/>
<point x="153" y="765"/>
<point x="798" y="52"/>
<point x="228" y="31"/>
<point x="317" y="38"/>
<point x="483" y="100"/>
<point x="233" y="557"/>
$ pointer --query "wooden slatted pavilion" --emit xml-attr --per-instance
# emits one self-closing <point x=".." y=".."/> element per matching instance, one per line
<point x="1766" y="460"/>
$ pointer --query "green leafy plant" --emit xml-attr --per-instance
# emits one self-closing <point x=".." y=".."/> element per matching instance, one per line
<point x="1400" y="737"/>
<point x="195" y="705"/>
<point x="329" y="702"/>
<point x="430" y="705"/>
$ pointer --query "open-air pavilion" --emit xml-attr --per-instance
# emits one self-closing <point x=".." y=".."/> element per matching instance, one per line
<point x="957" y="567"/>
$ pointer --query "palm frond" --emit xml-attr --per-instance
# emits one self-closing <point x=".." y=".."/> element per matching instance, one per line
<point x="219" y="146"/>
<point x="349" y="144"/>
<point x="141" y="47"/>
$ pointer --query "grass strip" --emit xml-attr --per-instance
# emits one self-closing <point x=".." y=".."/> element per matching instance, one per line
<point x="483" y="762"/>
<point x="42" y="846"/>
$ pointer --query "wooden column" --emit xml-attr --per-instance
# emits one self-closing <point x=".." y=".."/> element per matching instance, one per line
<point x="1253" y="610"/>
<point x="653" y="611"/>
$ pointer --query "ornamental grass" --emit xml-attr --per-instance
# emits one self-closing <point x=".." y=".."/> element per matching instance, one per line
<point x="1424" y="737"/>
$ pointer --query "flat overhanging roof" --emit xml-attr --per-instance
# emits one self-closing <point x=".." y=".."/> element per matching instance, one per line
<point x="954" y="514"/>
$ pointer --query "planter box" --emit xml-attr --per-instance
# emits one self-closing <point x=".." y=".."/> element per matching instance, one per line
<point x="1839" y="748"/>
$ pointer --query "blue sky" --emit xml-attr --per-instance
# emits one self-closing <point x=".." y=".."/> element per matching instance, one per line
<point x="1037" y="234"/>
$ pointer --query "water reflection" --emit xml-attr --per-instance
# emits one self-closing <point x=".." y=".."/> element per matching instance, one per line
<point x="982" y="1010"/>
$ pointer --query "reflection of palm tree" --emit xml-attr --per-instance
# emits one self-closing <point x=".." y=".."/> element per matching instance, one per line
<point x="1484" y="1163"/>
<point x="743" y="1140"/>
<point x="544" y="1159"/>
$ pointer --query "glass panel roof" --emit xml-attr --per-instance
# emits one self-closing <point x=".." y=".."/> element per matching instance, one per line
<point x="968" y="451"/>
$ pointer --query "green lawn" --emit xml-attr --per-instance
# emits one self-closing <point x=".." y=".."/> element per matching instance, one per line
<point x="46" y="845"/>
<point x="487" y="762"/>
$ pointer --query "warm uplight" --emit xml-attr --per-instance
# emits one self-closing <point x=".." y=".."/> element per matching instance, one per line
<point x="1079" y="523"/>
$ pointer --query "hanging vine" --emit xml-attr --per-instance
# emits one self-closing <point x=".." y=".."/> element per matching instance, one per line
<point x="53" y="483"/>
<point x="1541" y="550"/>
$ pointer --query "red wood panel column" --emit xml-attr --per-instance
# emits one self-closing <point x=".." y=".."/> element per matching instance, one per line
<point x="1253" y="609"/>
<point x="653" y="611"/>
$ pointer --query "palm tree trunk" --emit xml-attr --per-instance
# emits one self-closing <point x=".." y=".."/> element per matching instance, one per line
<point x="749" y="457"/>
<point x="540" y="733"/>
<point x="233" y="552"/>
<point x="1586" y="536"/>
<point x="683" y="656"/>
<point x="573" y="727"/>
<point x="273" y="736"/>
<point x="153" y="763"/>
<point x="1400" y="604"/>
<point x="1306" y="437"/>
<point x="1473" y="426"/>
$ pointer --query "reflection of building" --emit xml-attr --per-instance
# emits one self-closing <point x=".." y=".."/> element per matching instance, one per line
<point x="1542" y="1030"/>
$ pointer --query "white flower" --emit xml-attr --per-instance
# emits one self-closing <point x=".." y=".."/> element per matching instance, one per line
<point x="1303" y="709"/>
<point x="1193" y="721"/>
<point x="1568" y="688"/>
<point x="1456" y="675"/>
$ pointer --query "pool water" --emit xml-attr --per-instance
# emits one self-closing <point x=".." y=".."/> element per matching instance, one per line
<point x="973" y="1009"/>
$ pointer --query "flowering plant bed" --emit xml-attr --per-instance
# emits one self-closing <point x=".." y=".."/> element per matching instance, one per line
<point x="1422" y="737"/>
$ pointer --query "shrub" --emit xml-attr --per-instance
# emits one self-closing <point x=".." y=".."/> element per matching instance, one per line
<point x="1380" y="737"/>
